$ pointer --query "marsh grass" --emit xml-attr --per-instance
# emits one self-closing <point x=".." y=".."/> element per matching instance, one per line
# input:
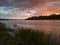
<point x="25" y="37"/>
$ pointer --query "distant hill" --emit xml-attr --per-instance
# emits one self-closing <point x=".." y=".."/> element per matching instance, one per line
<point x="50" y="17"/>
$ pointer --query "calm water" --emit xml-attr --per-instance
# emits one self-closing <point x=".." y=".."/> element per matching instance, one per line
<point x="45" y="25"/>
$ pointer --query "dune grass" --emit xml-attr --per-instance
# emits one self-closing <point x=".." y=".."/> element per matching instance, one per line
<point x="25" y="37"/>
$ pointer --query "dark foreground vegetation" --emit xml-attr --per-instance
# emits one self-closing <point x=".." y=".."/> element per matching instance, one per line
<point x="25" y="37"/>
<point x="50" y="17"/>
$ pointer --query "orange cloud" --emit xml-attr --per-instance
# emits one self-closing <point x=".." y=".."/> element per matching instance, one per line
<point x="49" y="8"/>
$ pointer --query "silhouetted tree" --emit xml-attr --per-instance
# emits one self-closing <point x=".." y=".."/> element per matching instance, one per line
<point x="50" y="17"/>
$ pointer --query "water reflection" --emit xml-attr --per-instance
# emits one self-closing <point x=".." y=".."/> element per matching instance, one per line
<point x="45" y="25"/>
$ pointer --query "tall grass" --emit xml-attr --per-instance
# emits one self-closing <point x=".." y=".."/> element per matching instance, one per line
<point x="25" y="37"/>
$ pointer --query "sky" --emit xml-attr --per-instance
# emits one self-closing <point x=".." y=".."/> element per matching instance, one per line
<point x="21" y="9"/>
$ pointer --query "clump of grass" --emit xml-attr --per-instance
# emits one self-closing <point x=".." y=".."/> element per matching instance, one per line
<point x="25" y="37"/>
<point x="32" y="37"/>
<point x="5" y="37"/>
<point x="2" y="26"/>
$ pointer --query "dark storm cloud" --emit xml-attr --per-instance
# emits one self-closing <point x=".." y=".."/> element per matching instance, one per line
<point x="33" y="2"/>
<point x="29" y="3"/>
<point x="36" y="2"/>
<point x="24" y="3"/>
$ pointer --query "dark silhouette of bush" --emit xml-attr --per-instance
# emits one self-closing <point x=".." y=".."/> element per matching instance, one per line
<point x="50" y="17"/>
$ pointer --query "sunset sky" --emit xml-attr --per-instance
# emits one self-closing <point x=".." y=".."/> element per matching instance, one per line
<point x="21" y="9"/>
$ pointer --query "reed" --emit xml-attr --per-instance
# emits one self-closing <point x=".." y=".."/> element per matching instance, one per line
<point x="25" y="37"/>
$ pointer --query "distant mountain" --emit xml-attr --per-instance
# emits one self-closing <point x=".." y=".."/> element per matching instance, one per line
<point x="50" y="17"/>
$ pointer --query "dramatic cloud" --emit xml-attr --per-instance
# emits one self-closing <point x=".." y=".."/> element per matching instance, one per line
<point x="15" y="13"/>
<point x="26" y="3"/>
<point x="26" y="8"/>
<point x="50" y="8"/>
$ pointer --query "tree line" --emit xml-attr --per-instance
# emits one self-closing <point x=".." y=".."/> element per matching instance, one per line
<point x="50" y="17"/>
